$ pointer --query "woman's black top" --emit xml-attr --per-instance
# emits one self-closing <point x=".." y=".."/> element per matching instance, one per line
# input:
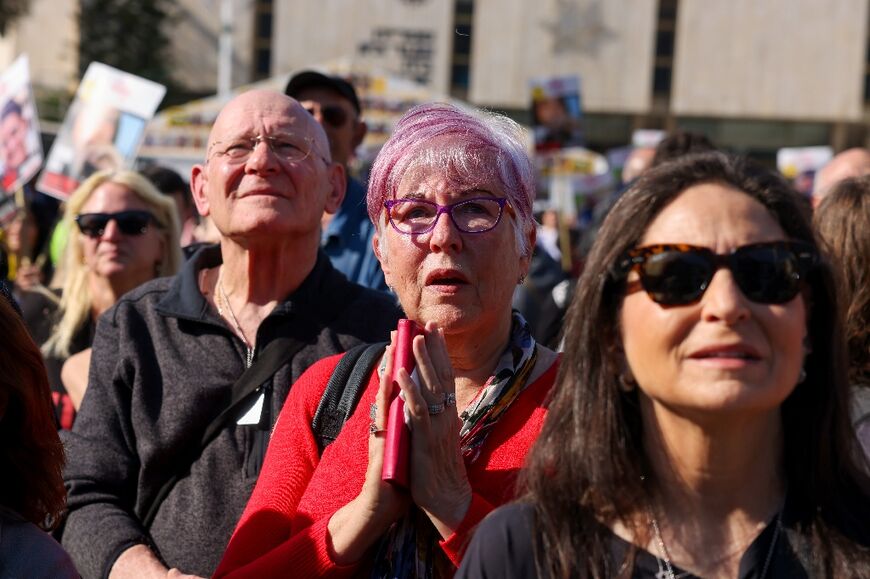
<point x="503" y="548"/>
<point x="40" y="317"/>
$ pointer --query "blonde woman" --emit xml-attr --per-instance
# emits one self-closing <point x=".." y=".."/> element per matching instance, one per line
<point x="123" y="232"/>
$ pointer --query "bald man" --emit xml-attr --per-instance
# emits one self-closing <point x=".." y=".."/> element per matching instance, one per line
<point x="166" y="356"/>
<point x="850" y="163"/>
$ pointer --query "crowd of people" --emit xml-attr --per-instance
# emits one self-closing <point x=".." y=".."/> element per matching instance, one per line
<point x="181" y="394"/>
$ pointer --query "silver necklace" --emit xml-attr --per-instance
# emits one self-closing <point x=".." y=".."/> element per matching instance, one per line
<point x="249" y="354"/>
<point x="668" y="571"/>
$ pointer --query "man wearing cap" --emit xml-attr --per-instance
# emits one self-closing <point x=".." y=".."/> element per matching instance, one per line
<point x="347" y="235"/>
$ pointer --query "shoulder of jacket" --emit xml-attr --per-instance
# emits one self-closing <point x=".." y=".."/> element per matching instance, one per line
<point x="142" y="298"/>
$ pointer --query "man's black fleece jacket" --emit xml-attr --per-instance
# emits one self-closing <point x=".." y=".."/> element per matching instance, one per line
<point x="162" y="368"/>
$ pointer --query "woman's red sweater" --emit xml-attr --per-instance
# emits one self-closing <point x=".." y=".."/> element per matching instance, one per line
<point x="283" y="531"/>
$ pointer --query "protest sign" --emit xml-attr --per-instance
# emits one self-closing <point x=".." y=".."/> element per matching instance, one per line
<point x="557" y="112"/>
<point x="102" y="129"/>
<point x="20" y="145"/>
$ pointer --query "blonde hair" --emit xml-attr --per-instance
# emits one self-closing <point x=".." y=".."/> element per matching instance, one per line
<point x="75" y="303"/>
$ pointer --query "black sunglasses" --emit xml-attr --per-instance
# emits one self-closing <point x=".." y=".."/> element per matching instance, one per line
<point x="676" y="275"/>
<point x="133" y="222"/>
<point x="332" y="115"/>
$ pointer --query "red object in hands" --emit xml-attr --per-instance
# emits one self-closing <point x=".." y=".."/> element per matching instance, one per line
<point x="398" y="443"/>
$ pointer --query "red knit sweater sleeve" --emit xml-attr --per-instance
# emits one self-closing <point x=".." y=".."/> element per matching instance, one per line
<point x="454" y="545"/>
<point x="262" y="544"/>
<point x="493" y="476"/>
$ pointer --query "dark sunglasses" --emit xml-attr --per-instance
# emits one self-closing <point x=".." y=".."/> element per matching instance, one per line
<point x="676" y="275"/>
<point x="332" y="115"/>
<point x="133" y="222"/>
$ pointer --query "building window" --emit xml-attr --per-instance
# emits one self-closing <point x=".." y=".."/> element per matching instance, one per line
<point x="665" y="43"/>
<point x="262" y="39"/>
<point x="666" y="29"/>
<point x="263" y="64"/>
<point x="264" y="25"/>
<point x="662" y="80"/>
<point x="460" y="61"/>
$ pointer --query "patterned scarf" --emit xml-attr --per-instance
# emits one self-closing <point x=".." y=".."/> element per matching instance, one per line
<point x="410" y="548"/>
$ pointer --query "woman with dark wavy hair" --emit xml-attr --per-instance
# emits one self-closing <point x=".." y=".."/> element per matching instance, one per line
<point x="843" y="222"/>
<point x="31" y="458"/>
<point x="700" y="420"/>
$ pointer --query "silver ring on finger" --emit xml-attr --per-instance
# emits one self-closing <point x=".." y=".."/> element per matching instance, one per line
<point x="373" y="411"/>
<point x="450" y="399"/>
<point x="436" y="408"/>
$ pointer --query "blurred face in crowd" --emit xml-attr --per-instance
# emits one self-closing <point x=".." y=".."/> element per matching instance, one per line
<point x="551" y="112"/>
<point x="21" y="233"/>
<point x="133" y="257"/>
<point x="338" y="118"/>
<point x="267" y="171"/>
<point x="13" y="140"/>
<point x="723" y="354"/>
<point x="637" y="162"/>
<point x="850" y="163"/>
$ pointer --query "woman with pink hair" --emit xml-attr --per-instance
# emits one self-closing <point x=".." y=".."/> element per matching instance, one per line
<point x="451" y="196"/>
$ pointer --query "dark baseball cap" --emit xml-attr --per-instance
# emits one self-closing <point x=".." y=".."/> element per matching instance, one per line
<point x="310" y="78"/>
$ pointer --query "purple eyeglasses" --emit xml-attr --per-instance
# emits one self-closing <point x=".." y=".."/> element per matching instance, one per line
<point x="416" y="216"/>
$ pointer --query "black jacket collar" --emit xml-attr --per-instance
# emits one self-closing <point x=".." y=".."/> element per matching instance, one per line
<point x="321" y="291"/>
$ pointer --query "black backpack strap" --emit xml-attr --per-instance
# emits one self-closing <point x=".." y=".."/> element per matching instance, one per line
<point x="343" y="391"/>
<point x="276" y="353"/>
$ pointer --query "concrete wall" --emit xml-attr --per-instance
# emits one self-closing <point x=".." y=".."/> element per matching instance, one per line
<point x="610" y="45"/>
<point x="195" y="33"/>
<point x="795" y="59"/>
<point x="410" y="38"/>
<point x="49" y="36"/>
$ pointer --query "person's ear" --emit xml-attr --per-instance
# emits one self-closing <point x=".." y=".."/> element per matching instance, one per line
<point x="360" y="130"/>
<point x="198" y="183"/>
<point x="377" y="248"/>
<point x="337" y="187"/>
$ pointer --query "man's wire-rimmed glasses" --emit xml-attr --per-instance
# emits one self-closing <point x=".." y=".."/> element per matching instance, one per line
<point x="290" y="148"/>
<point x="416" y="216"/>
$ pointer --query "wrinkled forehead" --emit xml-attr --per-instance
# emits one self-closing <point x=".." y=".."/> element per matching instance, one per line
<point x="268" y="114"/>
<point x="448" y="165"/>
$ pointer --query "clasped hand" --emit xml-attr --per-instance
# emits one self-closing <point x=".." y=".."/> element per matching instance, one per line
<point x="438" y="482"/>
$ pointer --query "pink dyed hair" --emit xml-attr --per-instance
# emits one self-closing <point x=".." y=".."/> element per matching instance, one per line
<point x="464" y="146"/>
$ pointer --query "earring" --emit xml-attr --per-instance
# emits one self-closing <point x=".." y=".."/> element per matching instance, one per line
<point x="802" y="376"/>
<point x="521" y="279"/>
<point x="627" y="383"/>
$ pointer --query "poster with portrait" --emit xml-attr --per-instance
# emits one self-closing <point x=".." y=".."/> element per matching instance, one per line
<point x="557" y="112"/>
<point x="102" y="129"/>
<point x="20" y="145"/>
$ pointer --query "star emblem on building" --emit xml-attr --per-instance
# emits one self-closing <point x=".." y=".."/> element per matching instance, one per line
<point x="579" y="29"/>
